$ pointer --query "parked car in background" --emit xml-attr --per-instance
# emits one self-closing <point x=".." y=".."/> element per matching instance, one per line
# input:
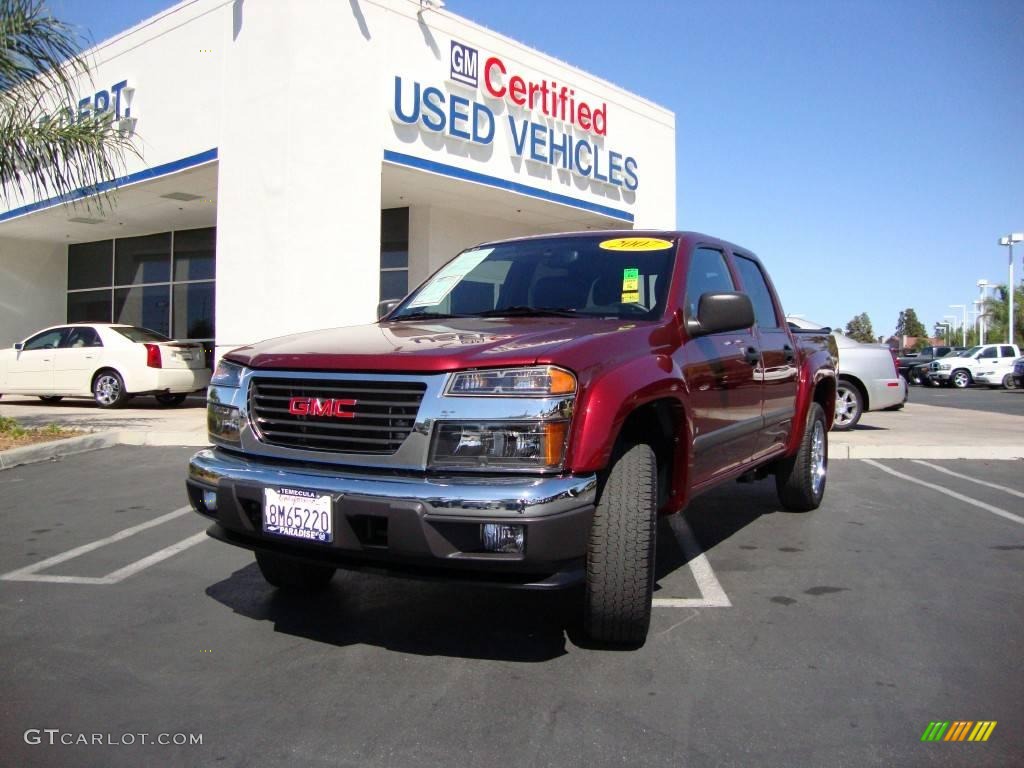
<point x="1018" y="372"/>
<point x="869" y="379"/>
<point x="105" y="361"/>
<point x="959" y="370"/>
<point x="913" y="367"/>
<point x="996" y="374"/>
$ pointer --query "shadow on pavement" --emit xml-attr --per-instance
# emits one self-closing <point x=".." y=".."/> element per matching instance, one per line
<point x="431" y="619"/>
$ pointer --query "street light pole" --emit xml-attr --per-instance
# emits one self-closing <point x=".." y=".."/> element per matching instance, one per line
<point x="963" y="325"/>
<point x="1008" y="241"/>
<point x="982" y="286"/>
<point x="950" y="326"/>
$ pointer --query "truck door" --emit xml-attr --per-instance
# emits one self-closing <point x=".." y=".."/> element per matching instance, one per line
<point x="778" y="372"/>
<point x="719" y="372"/>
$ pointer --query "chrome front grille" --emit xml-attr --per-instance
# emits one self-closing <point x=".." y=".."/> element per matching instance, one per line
<point x="335" y="415"/>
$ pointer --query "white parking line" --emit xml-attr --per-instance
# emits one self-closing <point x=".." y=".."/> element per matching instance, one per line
<point x="987" y="484"/>
<point x="712" y="594"/>
<point x="31" y="572"/>
<point x="948" y="492"/>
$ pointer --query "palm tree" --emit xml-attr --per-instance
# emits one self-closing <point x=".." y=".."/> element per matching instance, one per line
<point x="44" y="152"/>
<point x="997" y="311"/>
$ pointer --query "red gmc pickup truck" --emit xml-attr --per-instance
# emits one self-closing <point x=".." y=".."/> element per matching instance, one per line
<point x="520" y="419"/>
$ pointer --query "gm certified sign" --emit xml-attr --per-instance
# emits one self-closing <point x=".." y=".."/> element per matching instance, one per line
<point x="465" y="61"/>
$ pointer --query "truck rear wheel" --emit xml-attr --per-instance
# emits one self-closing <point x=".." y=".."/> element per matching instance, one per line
<point x="285" y="573"/>
<point x="800" y="479"/>
<point x="620" y="556"/>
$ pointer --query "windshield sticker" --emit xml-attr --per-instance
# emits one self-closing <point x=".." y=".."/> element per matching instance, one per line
<point x="448" y="277"/>
<point x="630" y="280"/>
<point x="635" y="244"/>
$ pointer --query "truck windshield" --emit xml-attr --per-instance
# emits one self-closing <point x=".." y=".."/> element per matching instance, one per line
<point x="586" y="275"/>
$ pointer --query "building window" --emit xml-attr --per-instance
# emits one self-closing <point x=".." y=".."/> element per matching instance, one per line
<point x="164" y="282"/>
<point x="394" y="253"/>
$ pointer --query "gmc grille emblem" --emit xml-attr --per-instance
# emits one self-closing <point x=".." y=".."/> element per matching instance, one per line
<point x="327" y="407"/>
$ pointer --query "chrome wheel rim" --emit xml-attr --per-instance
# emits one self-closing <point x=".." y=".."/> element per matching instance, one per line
<point x="108" y="389"/>
<point x="818" y="458"/>
<point x="846" y="406"/>
<point x="959" y="379"/>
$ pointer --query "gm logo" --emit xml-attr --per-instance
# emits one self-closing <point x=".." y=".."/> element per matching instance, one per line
<point x="465" y="61"/>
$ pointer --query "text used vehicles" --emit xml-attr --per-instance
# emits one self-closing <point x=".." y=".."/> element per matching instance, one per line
<point x="959" y="370"/>
<point x="520" y="419"/>
<point x="108" y="362"/>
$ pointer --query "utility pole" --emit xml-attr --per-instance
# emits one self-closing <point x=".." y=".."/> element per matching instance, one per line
<point x="1008" y="241"/>
<point x="982" y="286"/>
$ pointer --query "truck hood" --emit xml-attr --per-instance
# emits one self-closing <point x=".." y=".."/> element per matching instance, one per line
<point x="425" y="347"/>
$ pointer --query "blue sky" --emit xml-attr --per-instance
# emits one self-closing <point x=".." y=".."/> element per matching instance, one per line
<point x="872" y="153"/>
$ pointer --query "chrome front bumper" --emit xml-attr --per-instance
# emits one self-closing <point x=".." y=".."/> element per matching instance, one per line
<point x="428" y="522"/>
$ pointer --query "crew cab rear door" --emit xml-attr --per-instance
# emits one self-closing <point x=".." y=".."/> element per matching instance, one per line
<point x="719" y="371"/>
<point x="778" y="373"/>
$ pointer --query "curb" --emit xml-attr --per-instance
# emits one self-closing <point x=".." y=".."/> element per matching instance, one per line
<point x="993" y="453"/>
<point x="31" y="454"/>
<point x="55" y="449"/>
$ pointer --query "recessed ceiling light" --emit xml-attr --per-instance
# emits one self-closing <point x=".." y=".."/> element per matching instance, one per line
<point x="185" y="196"/>
<point x="85" y="220"/>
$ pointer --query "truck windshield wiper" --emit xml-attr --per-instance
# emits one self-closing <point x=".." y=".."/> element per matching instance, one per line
<point x="523" y="310"/>
<point x="428" y="316"/>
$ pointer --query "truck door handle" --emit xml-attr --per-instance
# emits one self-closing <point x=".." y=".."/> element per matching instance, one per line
<point x="752" y="355"/>
<point x="788" y="351"/>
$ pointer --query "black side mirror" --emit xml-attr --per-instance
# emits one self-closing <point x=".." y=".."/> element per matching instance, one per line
<point x="718" y="312"/>
<point x="385" y="307"/>
<point x="19" y="346"/>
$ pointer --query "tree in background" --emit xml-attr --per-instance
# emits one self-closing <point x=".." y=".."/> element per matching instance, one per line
<point x="997" y="311"/>
<point x="859" y="329"/>
<point x="44" y="151"/>
<point x="909" y="325"/>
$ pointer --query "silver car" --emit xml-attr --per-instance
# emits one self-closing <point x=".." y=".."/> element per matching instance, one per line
<point x="868" y="378"/>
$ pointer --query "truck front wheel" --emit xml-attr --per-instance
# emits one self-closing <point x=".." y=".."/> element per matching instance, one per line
<point x="285" y="573"/>
<point x="800" y="479"/>
<point x="620" y="556"/>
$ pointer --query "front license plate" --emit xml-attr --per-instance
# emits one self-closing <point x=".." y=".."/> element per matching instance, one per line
<point x="298" y="514"/>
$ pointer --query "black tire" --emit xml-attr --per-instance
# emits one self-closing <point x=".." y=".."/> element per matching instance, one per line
<point x="170" y="400"/>
<point x="960" y="378"/>
<point x="285" y="573"/>
<point x="51" y="399"/>
<point x="1009" y="382"/>
<point x="620" y="555"/>
<point x="849" y="406"/>
<point x="800" y="480"/>
<point x="108" y="389"/>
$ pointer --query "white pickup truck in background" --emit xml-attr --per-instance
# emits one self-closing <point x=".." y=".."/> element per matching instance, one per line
<point x="962" y="370"/>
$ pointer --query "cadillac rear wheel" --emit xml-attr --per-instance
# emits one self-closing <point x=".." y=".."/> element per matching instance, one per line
<point x="800" y="480"/>
<point x="849" y="406"/>
<point x="620" y="555"/>
<point x="285" y="573"/>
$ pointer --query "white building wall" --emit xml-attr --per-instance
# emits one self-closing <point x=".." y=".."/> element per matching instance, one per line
<point x="33" y="287"/>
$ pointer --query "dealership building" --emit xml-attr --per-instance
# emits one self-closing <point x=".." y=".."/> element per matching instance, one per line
<point x="300" y="162"/>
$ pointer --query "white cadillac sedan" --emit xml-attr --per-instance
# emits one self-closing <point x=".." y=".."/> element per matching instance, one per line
<point x="108" y="362"/>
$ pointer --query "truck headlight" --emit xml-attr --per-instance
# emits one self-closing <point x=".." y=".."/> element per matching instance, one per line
<point x="943" y="366"/>
<point x="227" y="374"/>
<point x="499" y="445"/>
<point x="223" y="422"/>
<point x="536" y="381"/>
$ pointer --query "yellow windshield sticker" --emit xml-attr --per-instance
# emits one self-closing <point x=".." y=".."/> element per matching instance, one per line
<point x="635" y="244"/>
<point x="630" y="297"/>
<point x="630" y="280"/>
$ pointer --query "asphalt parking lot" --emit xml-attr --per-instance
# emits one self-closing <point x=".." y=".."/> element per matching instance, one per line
<point x="833" y="638"/>
<point x="976" y="398"/>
